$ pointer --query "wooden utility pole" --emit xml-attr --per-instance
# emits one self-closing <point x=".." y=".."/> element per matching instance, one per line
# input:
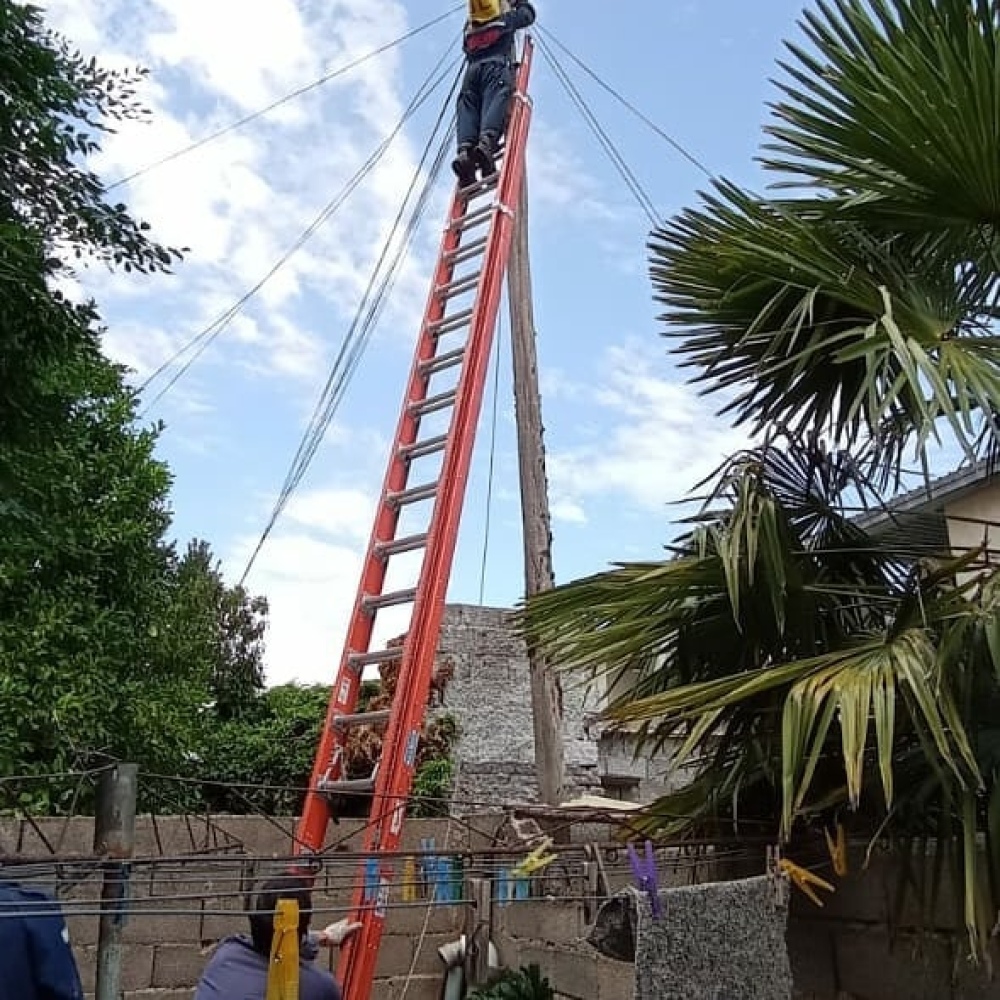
<point x="546" y="693"/>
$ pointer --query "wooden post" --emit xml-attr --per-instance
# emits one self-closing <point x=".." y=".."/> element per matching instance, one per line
<point x="114" y="840"/>
<point x="478" y="931"/>
<point x="546" y="692"/>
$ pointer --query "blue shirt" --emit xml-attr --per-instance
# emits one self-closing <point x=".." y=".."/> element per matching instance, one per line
<point x="237" y="972"/>
<point x="36" y="962"/>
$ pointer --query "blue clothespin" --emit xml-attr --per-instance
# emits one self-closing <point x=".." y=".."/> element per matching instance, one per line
<point x="371" y="880"/>
<point x="646" y="878"/>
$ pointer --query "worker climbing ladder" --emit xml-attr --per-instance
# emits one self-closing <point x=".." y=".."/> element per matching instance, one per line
<point x="447" y="380"/>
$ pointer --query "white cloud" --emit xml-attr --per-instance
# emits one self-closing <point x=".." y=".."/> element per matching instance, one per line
<point x="309" y="571"/>
<point x="657" y="439"/>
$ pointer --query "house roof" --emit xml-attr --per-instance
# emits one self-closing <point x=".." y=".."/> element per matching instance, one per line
<point x="915" y="522"/>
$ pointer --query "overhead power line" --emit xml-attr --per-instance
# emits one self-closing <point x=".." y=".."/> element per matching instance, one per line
<point x="299" y="92"/>
<point x="366" y="319"/>
<point x="618" y="161"/>
<point x="645" y="119"/>
<point x="198" y="344"/>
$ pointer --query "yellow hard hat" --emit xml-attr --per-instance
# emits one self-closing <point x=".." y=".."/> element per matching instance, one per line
<point x="482" y="11"/>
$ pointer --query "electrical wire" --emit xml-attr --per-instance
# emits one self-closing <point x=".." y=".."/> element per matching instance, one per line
<point x="366" y="318"/>
<point x="669" y="139"/>
<point x="299" y="92"/>
<point x="490" y="476"/>
<point x="576" y="98"/>
<point x="201" y="341"/>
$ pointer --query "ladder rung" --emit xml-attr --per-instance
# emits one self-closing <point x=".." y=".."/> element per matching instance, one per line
<point x="421" y="449"/>
<point x="442" y="362"/>
<point x="459" y="287"/>
<point x="479" y="187"/>
<point x="362" y="719"/>
<point x="433" y="404"/>
<point x="360" y="660"/>
<point x="450" y="323"/>
<point x="472" y="219"/>
<point x="415" y="495"/>
<point x="462" y="254"/>
<point x="394" y="599"/>
<point x="411" y="543"/>
<point x="351" y="786"/>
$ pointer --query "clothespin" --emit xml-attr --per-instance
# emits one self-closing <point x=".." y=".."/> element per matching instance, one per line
<point x="837" y="846"/>
<point x="503" y="886"/>
<point x="409" y="881"/>
<point x="535" y="861"/>
<point x="646" y="878"/>
<point x="804" y="880"/>
<point x="283" y="970"/>
<point x="371" y="880"/>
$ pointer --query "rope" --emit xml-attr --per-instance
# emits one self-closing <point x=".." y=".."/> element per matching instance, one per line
<point x="326" y="78"/>
<point x="617" y="160"/>
<point x="670" y="140"/>
<point x="493" y="449"/>
<point x="369" y="312"/>
<point x="201" y="341"/>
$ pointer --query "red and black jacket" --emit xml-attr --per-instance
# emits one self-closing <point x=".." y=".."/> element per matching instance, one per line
<point x="495" y="39"/>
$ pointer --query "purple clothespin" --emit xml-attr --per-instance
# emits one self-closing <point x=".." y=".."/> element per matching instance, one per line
<point x="646" y="878"/>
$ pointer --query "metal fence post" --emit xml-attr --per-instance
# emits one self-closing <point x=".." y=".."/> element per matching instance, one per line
<point x="114" y="840"/>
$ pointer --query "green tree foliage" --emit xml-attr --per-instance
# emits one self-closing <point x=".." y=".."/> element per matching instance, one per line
<point x="262" y="759"/>
<point x="110" y="644"/>
<point x="811" y="674"/>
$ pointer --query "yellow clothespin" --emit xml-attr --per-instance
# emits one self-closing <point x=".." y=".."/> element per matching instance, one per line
<point x="535" y="861"/>
<point x="838" y="850"/>
<point x="409" y="881"/>
<point x="804" y="879"/>
<point x="283" y="971"/>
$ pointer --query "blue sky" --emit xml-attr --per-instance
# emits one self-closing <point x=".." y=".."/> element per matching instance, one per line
<point x="626" y="436"/>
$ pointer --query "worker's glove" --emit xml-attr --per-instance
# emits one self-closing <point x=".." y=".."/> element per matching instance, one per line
<point x="336" y="934"/>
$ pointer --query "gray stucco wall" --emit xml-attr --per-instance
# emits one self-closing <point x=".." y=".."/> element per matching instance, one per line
<point x="490" y="696"/>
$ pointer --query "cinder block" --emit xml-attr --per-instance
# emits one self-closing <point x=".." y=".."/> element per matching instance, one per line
<point x="417" y="988"/>
<point x="813" y="957"/>
<point x="137" y="967"/>
<point x="912" y="970"/>
<point x="177" y="966"/>
<point x="165" y="928"/>
<point x="410" y="919"/>
<point x="396" y="955"/>
<point x="615" y="980"/>
<point x="570" y="972"/>
<point x="82" y="929"/>
<point x="972" y="981"/>
<point x="543" y="920"/>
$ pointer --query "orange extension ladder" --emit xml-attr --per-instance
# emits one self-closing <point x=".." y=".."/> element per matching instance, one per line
<point x="425" y="482"/>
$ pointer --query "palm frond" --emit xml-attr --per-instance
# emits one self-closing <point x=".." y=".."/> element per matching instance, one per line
<point x="892" y="107"/>
<point x="820" y="324"/>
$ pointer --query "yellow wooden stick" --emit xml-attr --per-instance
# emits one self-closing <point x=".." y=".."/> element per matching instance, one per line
<point x="283" y="972"/>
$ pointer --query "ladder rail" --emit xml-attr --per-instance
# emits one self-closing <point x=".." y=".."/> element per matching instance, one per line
<point x="344" y="697"/>
<point x="395" y="773"/>
<point x="392" y="780"/>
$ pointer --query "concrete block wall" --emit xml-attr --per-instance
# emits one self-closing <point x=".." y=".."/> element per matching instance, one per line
<point x="490" y="696"/>
<point x="166" y="951"/>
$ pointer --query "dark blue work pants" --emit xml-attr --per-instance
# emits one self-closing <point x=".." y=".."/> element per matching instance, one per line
<point x="484" y="102"/>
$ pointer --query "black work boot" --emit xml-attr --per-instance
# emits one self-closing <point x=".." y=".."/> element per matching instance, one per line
<point x="464" y="167"/>
<point x="485" y="155"/>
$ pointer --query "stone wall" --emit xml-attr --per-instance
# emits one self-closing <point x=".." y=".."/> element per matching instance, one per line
<point x="490" y="696"/>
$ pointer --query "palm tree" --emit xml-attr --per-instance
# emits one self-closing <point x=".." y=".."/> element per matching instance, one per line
<point x="811" y="672"/>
